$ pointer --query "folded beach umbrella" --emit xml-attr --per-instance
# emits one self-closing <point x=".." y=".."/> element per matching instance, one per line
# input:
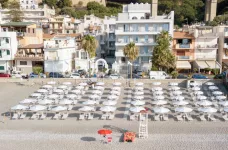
<point x="66" y="102"/>
<point x="183" y="109"/>
<point x="86" y="109"/>
<point x="157" y="89"/>
<point x="94" y="96"/>
<point x="51" y="82"/>
<point x="201" y="97"/>
<point x="180" y="103"/>
<point x="71" y="96"/>
<point x="160" y="97"/>
<point x="178" y="97"/>
<point x="62" y="87"/>
<point x="112" y="97"/>
<point x="27" y="101"/>
<point x="159" y="102"/>
<point x="156" y="83"/>
<point x="138" y="97"/>
<point x="45" y="102"/>
<point x="99" y="83"/>
<point x="138" y="93"/>
<point x="66" y="83"/>
<point x="59" y="108"/>
<point x="138" y="103"/>
<point x="220" y="97"/>
<point x="42" y="91"/>
<point x="204" y="103"/>
<point x="213" y="87"/>
<point x="208" y="110"/>
<point x="75" y="91"/>
<point x="89" y="102"/>
<point x="161" y="110"/>
<point x="53" y="96"/>
<point x="217" y="93"/>
<point x="137" y="109"/>
<point x="116" y="84"/>
<point x="108" y="109"/>
<point x="47" y="87"/>
<point x="19" y="107"/>
<point x="109" y="103"/>
<point x="177" y="92"/>
<point x="38" y="108"/>
<point x="58" y="91"/>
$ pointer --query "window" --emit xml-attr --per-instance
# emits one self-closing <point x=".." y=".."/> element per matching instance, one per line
<point x="23" y="63"/>
<point x="8" y="52"/>
<point x="146" y="38"/>
<point x="28" y="30"/>
<point x="123" y="59"/>
<point x="68" y="24"/>
<point x="77" y="54"/>
<point x="134" y="18"/>
<point x="125" y="39"/>
<point x="142" y="17"/>
<point x="56" y="42"/>
<point x="74" y="31"/>
<point x="33" y="30"/>
<point x="146" y="27"/>
<point x="145" y="59"/>
<point x="83" y="55"/>
<point x="146" y="50"/>
<point x="26" y="3"/>
<point x="2" y="68"/>
<point x="166" y="27"/>
<point x="7" y="40"/>
<point x="135" y="27"/>
<point x="136" y="39"/>
<point x="126" y="28"/>
<point x="68" y="31"/>
<point x="0" y="53"/>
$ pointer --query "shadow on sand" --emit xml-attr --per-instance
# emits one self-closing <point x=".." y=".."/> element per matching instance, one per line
<point x="88" y="139"/>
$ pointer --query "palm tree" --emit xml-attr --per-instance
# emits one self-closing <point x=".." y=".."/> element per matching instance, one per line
<point x="90" y="44"/>
<point x="131" y="51"/>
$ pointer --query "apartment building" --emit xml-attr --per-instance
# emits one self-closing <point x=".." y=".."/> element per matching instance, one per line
<point x="184" y="50"/>
<point x="59" y="54"/>
<point x="141" y="25"/>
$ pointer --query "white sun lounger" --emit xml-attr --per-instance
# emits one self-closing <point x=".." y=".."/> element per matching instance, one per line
<point x="90" y="117"/>
<point x="225" y="117"/>
<point x="65" y="115"/>
<point x="81" y="117"/>
<point x="156" y="118"/>
<point x="34" y="116"/>
<point x="179" y="118"/>
<point x="43" y="116"/>
<point x="132" y="117"/>
<point x="15" y="116"/>
<point x="104" y="117"/>
<point x="202" y="118"/>
<point x="56" y="116"/>
<point x="22" y="116"/>
<point x="165" y="118"/>
<point x="111" y="116"/>
<point x="211" y="118"/>
<point x="189" y="118"/>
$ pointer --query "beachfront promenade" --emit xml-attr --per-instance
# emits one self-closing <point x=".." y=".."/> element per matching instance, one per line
<point x="73" y="132"/>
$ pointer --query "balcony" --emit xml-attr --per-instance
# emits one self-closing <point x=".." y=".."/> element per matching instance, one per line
<point x="45" y="26"/>
<point x="183" y="46"/>
<point x="184" y="57"/>
<point x="38" y="57"/>
<point x="71" y="28"/>
<point x="138" y="32"/>
<point x="51" y="58"/>
<point x="138" y="43"/>
<point x="20" y="34"/>
<point x="215" y="46"/>
<point x="205" y="57"/>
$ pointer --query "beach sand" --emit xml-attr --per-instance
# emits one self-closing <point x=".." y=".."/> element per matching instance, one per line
<point x="82" y="135"/>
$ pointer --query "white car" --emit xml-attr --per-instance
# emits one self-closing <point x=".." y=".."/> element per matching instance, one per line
<point x="75" y="76"/>
<point x="17" y="74"/>
<point x="115" y="76"/>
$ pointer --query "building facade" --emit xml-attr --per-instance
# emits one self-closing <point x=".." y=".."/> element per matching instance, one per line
<point x="137" y="24"/>
<point x="59" y="54"/>
<point x="184" y="50"/>
<point x="8" y="49"/>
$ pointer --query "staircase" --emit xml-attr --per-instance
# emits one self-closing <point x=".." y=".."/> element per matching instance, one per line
<point x="143" y="125"/>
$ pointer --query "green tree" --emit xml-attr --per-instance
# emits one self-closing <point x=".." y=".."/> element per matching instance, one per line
<point x="162" y="57"/>
<point x="90" y="44"/>
<point x="4" y="3"/>
<point x="64" y="3"/>
<point x="174" y="74"/>
<point x="37" y="69"/>
<point x="131" y="52"/>
<point x="50" y="3"/>
<point x="16" y="15"/>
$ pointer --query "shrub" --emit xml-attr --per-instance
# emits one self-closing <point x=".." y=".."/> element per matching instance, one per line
<point x="37" y="69"/>
<point x="174" y="74"/>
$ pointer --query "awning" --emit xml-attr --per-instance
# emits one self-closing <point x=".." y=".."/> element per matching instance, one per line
<point x="202" y="64"/>
<point x="213" y="64"/>
<point x="183" y="65"/>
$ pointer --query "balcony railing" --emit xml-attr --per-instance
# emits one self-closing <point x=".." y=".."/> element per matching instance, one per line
<point x="29" y="56"/>
<point x="205" y="57"/>
<point x="207" y="46"/>
<point x="52" y="58"/>
<point x="183" y="57"/>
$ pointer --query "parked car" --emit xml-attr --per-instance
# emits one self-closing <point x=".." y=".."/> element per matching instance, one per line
<point x="220" y="76"/>
<point x="182" y="76"/>
<point x="159" y="75"/>
<point x="134" y="76"/>
<point x="199" y="76"/>
<point x="81" y="72"/>
<point x="55" y="75"/>
<point x="75" y="76"/>
<point x="115" y="76"/>
<point x="33" y="75"/>
<point x="17" y="74"/>
<point x="5" y="75"/>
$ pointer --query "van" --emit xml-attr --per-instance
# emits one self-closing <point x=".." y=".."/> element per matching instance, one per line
<point x="159" y="75"/>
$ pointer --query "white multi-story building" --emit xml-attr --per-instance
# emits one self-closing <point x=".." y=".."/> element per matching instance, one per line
<point x="141" y="25"/>
<point x="31" y="13"/>
<point x="206" y="48"/>
<point x="8" y="49"/>
<point x="59" y="54"/>
<point x="28" y="4"/>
